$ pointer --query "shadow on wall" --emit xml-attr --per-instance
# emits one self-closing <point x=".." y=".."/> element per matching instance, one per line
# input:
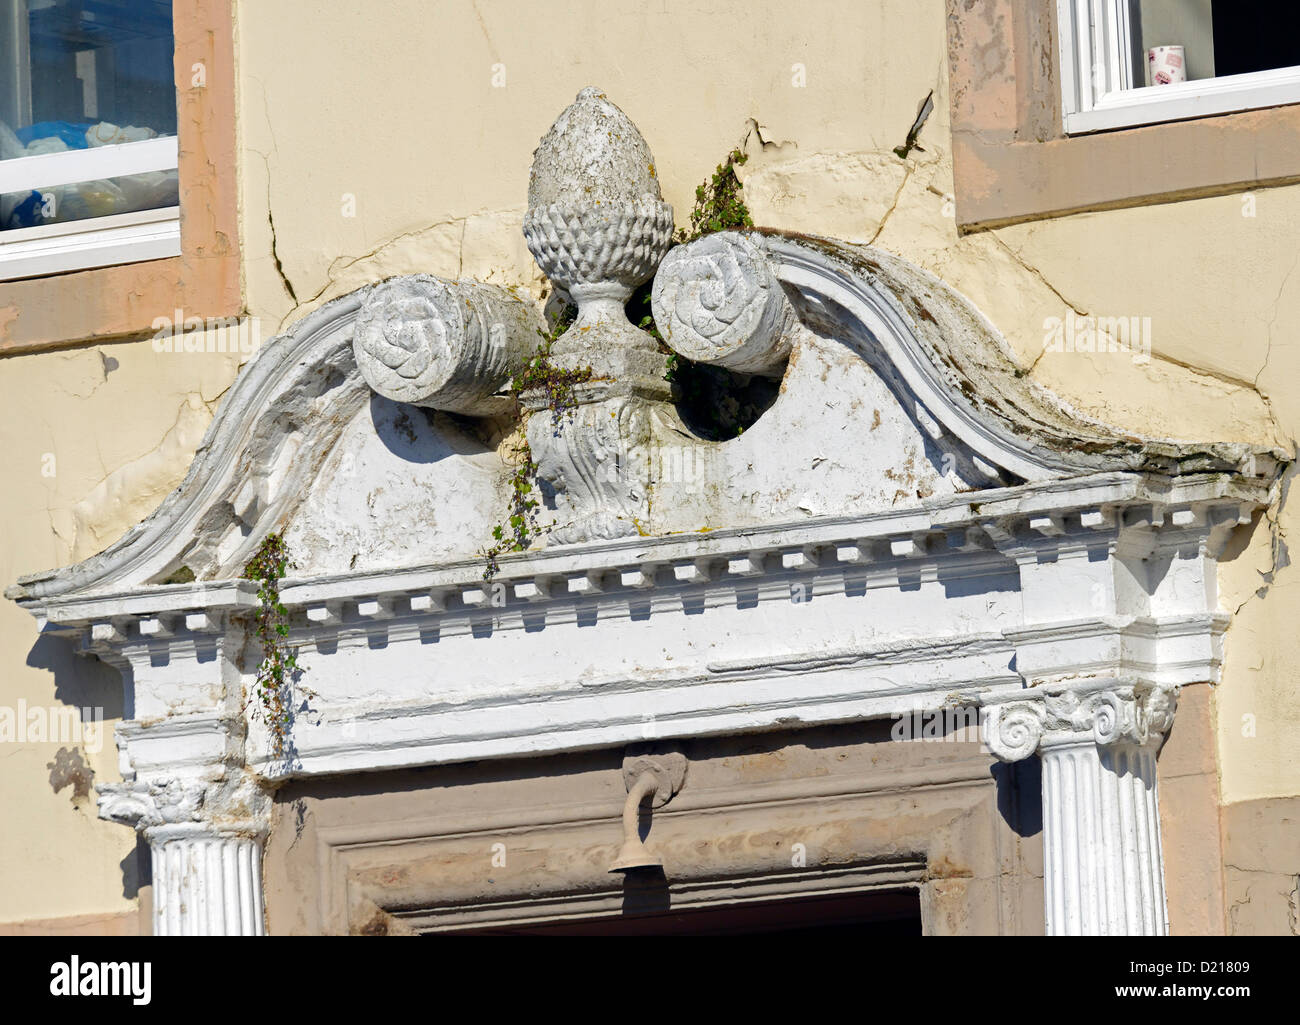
<point x="645" y="891"/>
<point x="137" y="870"/>
<point x="1020" y="794"/>
<point x="418" y="435"/>
<point x="79" y="681"/>
<point x="87" y="683"/>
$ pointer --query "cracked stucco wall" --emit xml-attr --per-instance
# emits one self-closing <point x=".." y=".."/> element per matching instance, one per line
<point x="93" y="440"/>
<point x="379" y="138"/>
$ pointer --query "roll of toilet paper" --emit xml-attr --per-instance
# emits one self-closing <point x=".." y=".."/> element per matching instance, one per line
<point x="1167" y="65"/>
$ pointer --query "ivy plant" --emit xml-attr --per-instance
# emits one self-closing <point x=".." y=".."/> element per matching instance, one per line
<point x="718" y="202"/>
<point x="519" y="530"/>
<point x="279" y="663"/>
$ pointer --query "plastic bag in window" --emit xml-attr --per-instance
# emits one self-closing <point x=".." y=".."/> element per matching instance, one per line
<point x="10" y="145"/>
<point x="149" y="190"/>
<point x="73" y="135"/>
<point x="20" y="209"/>
<point x="52" y="144"/>
<point x="81" y="200"/>
<point x="108" y="134"/>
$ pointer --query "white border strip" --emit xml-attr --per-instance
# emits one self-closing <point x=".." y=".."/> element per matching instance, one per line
<point x="82" y="245"/>
<point x="24" y="174"/>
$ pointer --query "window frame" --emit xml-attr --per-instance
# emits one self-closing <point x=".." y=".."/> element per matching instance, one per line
<point x="95" y="242"/>
<point x="1097" y="89"/>
<point x="107" y="304"/>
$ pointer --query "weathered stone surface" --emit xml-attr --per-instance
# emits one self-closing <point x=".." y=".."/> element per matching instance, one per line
<point x="447" y="345"/>
<point x="985" y="543"/>
<point x="718" y="300"/>
<point x="597" y="223"/>
<point x="206" y="842"/>
<point x="597" y="226"/>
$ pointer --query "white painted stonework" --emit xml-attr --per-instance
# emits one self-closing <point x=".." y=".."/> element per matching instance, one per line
<point x="206" y="848"/>
<point x="912" y="524"/>
<point x="1101" y="822"/>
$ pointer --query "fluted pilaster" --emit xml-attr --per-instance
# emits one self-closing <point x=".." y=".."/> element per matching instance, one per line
<point x="206" y="884"/>
<point x="205" y="839"/>
<point x="1103" y="873"/>
<point x="1102" y="862"/>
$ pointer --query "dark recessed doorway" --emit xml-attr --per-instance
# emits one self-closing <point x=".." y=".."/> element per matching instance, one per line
<point x="874" y="913"/>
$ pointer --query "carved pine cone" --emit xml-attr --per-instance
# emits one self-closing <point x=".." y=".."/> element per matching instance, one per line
<point x="603" y="245"/>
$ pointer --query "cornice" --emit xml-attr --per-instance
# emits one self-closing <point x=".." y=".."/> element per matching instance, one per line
<point x="963" y="375"/>
<point x="969" y="535"/>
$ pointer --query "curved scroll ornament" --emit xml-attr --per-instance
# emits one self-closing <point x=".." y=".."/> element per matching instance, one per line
<point x="448" y="345"/>
<point x="1113" y="718"/>
<point x="145" y="805"/>
<point x="1102" y="715"/>
<point x="594" y="458"/>
<point x="1013" y="731"/>
<point x="718" y="300"/>
<point x="1134" y="715"/>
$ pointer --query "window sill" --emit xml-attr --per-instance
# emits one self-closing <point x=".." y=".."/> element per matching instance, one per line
<point x="82" y="245"/>
<point x="1134" y="108"/>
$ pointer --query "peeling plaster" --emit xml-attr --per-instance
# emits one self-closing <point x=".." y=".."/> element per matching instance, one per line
<point x="69" y="770"/>
<point x="125" y="495"/>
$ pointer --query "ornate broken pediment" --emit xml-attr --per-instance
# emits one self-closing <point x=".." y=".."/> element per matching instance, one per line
<point x="911" y="521"/>
<point x="377" y="435"/>
<point x="371" y="432"/>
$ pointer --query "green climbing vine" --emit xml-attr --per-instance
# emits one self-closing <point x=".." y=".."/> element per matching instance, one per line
<point x="556" y="382"/>
<point x="279" y="662"/>
<point x="519" y="530"/>
<point x="718" y="202"/>
<point x="713" y="401"/>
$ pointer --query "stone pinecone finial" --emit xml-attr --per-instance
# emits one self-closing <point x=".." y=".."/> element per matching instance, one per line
<point x="597" y="224"/>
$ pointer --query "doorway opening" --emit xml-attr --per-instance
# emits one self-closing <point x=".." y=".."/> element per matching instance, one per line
<point x="870" y="913"/>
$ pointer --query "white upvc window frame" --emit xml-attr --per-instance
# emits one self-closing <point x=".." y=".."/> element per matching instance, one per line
<point x="1097" y="77"/>
<point x="94" y="242"/>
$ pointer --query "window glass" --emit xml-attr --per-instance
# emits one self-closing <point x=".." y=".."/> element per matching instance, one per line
<point x="1191" y="40"/>
<point x="76" y="75"/>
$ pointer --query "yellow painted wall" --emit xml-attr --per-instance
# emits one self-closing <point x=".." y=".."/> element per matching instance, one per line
<point x="90" y="442"/>
<point x="395" y="111"/>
